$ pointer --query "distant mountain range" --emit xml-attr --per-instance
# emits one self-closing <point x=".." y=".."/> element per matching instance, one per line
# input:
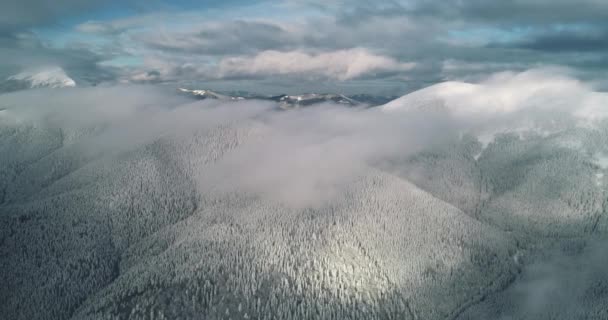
<point x="56" y="77"/>
<point x="293" y="101"/>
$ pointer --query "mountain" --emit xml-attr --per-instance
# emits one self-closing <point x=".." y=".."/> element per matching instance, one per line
<point x="54" y="77"/>
<point x="208" y="94"/>
<point x="442" y="97"/>
<point x="139" y="231"/>
<point x="304" y="100"/>
<point x="291" y="101"/>
<point x="373" y="100"/>
<point x="126" y="211"/>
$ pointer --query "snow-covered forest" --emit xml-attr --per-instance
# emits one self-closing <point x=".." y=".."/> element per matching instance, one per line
<point x="138" y="203"/>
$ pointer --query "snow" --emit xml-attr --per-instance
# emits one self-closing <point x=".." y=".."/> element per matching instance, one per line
<point x="54" y="77"/>
<point x="599" y="177"/>
<point x="601" y="159"/>
<point x="508" y="94"/>
<point x="143" y="226"/>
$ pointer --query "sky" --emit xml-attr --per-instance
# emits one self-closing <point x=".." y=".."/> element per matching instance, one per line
<point x="388" y="47"/>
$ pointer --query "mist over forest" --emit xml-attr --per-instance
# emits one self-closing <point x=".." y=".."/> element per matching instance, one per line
<point x="303" y="159"/>
<point x="140" y="202"/>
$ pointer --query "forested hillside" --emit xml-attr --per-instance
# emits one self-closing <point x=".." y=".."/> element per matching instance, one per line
<point x="160" y="208"/>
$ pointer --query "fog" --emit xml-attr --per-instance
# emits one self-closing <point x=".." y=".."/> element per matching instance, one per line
<point x="299" y="156"/>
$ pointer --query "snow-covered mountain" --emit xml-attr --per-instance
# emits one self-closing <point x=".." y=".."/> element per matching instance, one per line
<point x="208" y="94"/>
<point x="506" y="94"/>
<point x="303" y="100"/>
<point x="112" y="209"/>
<point x="54" y="77"/>
<point x="283" y="101"/>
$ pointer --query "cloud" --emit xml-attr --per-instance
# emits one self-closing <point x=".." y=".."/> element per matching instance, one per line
<point x="306" y="157"/>
<point x="504" y="12"/>
<point x="17" y="15"/>
<point x="252" y="35"/>
<point x="195" y="42"/>
<point x="539" y="101"/>
<point x="464" y="70"/>
<point x="299" y="158"/>
<point x="493" y="36"/>
<point x="340" y="65"/>
<point x="163" y="69"/>
<point x="536" y="11"/>
<point x="221" y="38"/>
<point x="564" y="41"/>
<point x="107" y="28"/>
<point x="303" y="157"/>
<point x="25" y="51"/>
<point x="22" y="15"/>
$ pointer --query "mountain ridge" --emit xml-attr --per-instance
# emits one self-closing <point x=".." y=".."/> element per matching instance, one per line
<point x="291" y="101"/>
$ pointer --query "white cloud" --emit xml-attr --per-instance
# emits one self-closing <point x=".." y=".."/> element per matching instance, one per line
<point x="300" y="158"/>
<point x="454" y="69"/>
<point x="340" y="64"/>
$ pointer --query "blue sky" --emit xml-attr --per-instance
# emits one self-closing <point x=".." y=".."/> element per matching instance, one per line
<point x="388" y="47"/>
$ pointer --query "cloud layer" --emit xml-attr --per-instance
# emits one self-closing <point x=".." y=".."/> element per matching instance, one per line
<point x="339" y="65"/>
<point x="421" y="41"/>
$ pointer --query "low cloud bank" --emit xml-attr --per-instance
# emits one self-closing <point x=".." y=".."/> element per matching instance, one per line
<point x="300" y="157"/>
<point x="339" y="65"/>
<point x="303" y="156"/>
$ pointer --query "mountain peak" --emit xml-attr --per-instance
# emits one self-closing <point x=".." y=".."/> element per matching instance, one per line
<point x="53" y="77"/>
<point x="208" y="94"/>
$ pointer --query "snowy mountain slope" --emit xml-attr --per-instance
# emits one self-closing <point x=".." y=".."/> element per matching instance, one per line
<point x="543" y="184"/>
<point x="208" y="94"/>
<point x="531" y="185"/>
<point x="507" y="102"/>
<point x="53" y="77"/>
<point x="534" y="166"/>
<point x="333" y="258"/>
<point x="157" y="207"/>
<point x="448" y="171"/>
<point x="440" y="98"/>
<point x="536" y="185"/>
<point x="568" y="281"/>
<point x="107" y="204"/>
<point x="107" y="224"/>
